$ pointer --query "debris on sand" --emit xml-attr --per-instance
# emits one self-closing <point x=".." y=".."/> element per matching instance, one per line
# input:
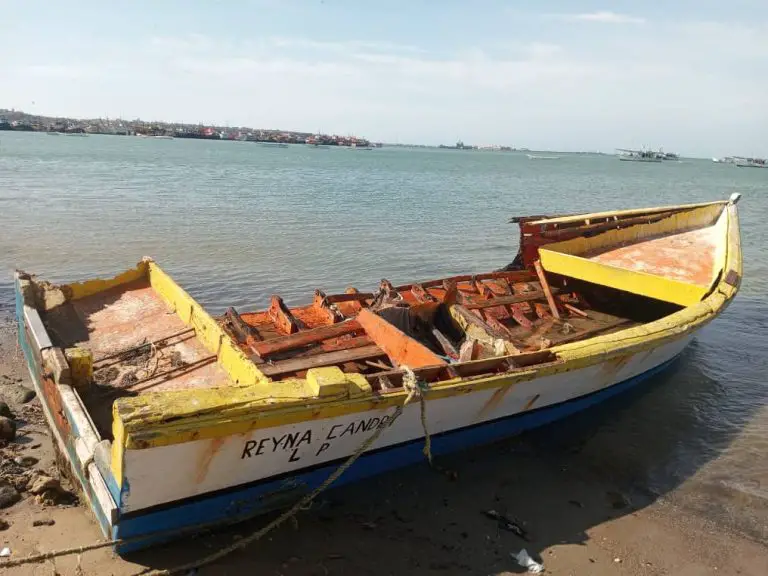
<point x="7" y="428"/>
<point x="8" y="496"/>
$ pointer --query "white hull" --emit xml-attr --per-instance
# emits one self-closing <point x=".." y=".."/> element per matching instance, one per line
<point x="638" y="159"/>
<point x="161" y="475"/>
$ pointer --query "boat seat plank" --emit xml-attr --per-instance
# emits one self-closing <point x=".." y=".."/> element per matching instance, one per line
<point x="306" y="337"/>
<point x="328" y="359"/>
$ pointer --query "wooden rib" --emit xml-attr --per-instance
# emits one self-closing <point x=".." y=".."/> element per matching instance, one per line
<point x="445" y="344"/>
<point x="494" y="323"/>
<point x="519" y="315"/>
<point x="541" y="310"/>
<point x="281" y="316"/>
<point x="421" y="294"/>
<point x="485" y="366"/>
<point x="575" y="310"/>
<point x="545" y="287"/>
<point x="323" y="306"/>
<point x="328" y="359"/>
<point x="482" y="289"/>
<point x="506" y="300"/>
<point x="242" y="330"/>
<point x="306" y="337"/>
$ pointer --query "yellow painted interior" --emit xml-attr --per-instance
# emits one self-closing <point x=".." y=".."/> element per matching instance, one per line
<point x="208" y="332"/>
<point x="79" y="290"/>
<point x="565" y="257"/>
<point x="80" y="362"/>
<point x="170" y="417"/>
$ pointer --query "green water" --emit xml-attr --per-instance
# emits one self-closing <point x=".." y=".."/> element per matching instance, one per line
<point x="235" y="222"/>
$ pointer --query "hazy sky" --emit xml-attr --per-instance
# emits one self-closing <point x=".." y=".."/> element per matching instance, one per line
<point x="691" y="76"/>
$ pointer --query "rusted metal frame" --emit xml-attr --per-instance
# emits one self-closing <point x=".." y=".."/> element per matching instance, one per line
<point x="293" y="365"/>
<point x="281" y="316"/>
<point x="545" y="287"/>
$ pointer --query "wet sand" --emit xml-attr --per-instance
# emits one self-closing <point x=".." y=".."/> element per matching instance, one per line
<point x="579" y="520"/>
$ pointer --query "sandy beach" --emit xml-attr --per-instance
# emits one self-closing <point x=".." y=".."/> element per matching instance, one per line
<point x="415" y="521"/>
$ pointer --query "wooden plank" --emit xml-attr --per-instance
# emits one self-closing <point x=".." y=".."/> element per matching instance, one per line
<point x="445" y="344"/>
<point x="471" y="318"/>
<point x="242" y="330"/>
<point x="318" y="360"/>
<point x="545" y="287"/>
<point x="306" y="337"/>
<point x="589" y="333"/>
<point x="575" y="310"/>
<point x="506" y="300"/>
<point x="349" y="297"/>
<point x="399" y="347"/>
<point x="281" y="316"/>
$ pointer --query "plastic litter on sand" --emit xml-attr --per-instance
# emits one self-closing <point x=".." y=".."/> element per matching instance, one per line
<point x="529" y="563"/>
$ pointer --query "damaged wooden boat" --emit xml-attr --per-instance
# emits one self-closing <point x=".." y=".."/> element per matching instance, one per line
<point x="171" y="418"/>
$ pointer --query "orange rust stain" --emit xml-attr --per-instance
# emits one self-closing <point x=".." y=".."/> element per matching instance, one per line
<point x="493" y="402"/>
<point x="531" y="402"/>
<point x="687" y="257"/>
<point x="611" y="367"/>
<point x="204" y="462"/>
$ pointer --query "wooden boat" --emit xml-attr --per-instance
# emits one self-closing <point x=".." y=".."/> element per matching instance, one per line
<point x="171" y="418"/>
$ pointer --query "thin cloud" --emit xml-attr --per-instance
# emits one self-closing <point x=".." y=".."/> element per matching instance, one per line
<point x="606" y="17"/>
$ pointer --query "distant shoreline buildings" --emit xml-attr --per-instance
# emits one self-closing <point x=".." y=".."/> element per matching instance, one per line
<point x="18" y="121"/>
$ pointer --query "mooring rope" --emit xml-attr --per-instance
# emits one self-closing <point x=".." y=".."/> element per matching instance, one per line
<point x="411" y="384"/>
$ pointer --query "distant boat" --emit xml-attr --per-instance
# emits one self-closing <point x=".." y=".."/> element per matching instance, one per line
<point x="542" y="157"/>
<point x="751" y="163"/>
<point x="51" y="133"/>
<point x="164" y="137"/>
<point x="81" y="134"/>
<point x="725" y="160"/>
<point x="638" y="155"/>
<point x="274" y="144"/>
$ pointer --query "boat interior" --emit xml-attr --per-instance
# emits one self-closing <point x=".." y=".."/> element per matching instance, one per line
<point x="454" y="327"/>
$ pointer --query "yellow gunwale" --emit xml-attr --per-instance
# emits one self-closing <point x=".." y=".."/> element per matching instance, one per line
<point x="144" y="420"/>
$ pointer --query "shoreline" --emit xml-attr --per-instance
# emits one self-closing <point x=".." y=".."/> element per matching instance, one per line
<point x="414" y="521"/>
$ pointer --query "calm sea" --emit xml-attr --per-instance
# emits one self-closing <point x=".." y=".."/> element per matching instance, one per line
<point x="235" y="222"/>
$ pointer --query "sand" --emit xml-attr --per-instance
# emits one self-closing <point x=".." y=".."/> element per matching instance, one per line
<point x="413" y="521"/>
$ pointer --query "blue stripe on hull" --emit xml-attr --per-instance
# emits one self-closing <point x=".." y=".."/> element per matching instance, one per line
<point x="250" y="500"/>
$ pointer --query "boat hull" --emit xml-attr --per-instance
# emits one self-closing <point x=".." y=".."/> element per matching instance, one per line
<point x="260" y="496"/>
<point x="188" y="458"/>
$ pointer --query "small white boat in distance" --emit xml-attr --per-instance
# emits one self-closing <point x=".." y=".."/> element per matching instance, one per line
<point x="751" y="163"/>
<point x="542" y="157"/>
<point x="638" y="155"/>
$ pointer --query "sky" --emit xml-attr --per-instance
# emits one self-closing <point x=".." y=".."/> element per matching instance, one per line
<point x="688" y="76"/>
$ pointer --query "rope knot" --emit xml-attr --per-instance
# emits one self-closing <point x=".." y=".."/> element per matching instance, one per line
<point x="418" y="388"/>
